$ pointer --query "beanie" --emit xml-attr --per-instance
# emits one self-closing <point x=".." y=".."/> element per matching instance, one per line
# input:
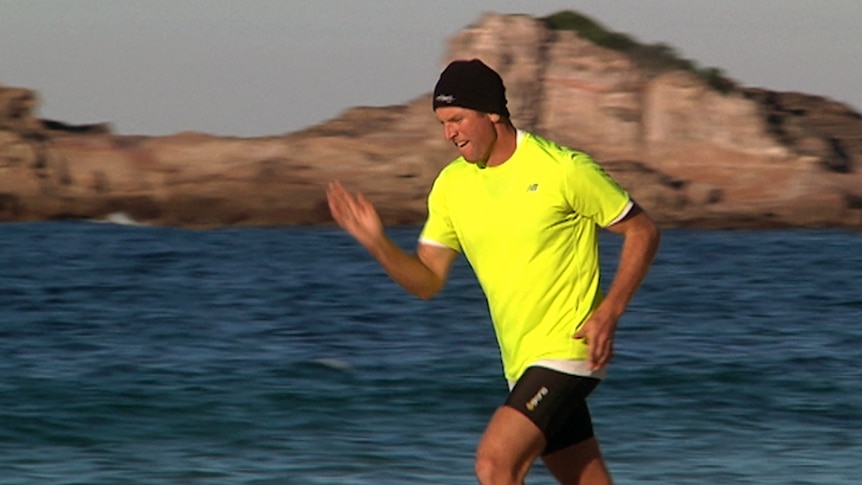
<point x="473" y="85"/>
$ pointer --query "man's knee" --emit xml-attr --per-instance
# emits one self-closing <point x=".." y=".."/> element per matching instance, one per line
<point x="508" y="448"/>
<point x="493" y="470"/>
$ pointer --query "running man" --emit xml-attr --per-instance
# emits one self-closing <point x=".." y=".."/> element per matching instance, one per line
<point x="526" y="214"/>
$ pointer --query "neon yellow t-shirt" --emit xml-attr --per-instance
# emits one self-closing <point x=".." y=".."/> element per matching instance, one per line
<point x="529" y="229"/>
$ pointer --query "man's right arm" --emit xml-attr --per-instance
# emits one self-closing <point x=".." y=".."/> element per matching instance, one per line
<point x="422" y="274"/>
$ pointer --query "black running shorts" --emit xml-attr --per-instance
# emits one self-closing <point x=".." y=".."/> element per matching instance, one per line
<point x="556" y="403"/>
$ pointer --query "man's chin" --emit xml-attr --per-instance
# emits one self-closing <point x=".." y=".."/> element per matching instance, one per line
<point x="469" y="157"/>
<point x="472" y="158"/>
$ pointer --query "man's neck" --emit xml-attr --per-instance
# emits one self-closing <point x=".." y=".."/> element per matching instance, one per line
<point x="504" y="147"/>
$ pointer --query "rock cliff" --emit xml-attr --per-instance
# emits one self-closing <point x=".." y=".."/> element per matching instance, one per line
<point x="691" y="154"/>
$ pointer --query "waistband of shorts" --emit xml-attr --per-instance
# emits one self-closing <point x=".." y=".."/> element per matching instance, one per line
<point x="570" y="366"/>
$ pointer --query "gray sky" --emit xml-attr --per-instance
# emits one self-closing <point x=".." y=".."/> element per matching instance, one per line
<point x="267" y="67"/>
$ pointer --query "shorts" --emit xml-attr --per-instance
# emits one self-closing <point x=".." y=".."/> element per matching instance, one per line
<point x="556" y="403"/>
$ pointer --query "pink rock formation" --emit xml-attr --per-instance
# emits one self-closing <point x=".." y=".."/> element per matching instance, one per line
<point x="693" y="156"/>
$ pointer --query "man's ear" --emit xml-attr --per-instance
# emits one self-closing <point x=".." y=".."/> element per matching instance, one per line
<point x="494" y="117"/>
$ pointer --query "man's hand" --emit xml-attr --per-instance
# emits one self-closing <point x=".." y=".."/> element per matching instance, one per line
<point x="598" y="331"/>
<point x="355" y="214"/>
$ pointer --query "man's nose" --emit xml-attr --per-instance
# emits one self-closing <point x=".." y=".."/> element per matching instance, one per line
<point x="449" y="131"/>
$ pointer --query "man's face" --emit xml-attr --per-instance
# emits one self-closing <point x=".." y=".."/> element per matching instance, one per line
<point x="471" y="132"/>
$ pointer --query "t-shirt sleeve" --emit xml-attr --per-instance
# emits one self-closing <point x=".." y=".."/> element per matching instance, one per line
<point x="438" y="229"/>
<point x="592" y="192"/>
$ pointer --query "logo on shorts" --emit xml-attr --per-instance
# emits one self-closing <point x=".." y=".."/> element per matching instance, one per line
<point x="533" y="403"/>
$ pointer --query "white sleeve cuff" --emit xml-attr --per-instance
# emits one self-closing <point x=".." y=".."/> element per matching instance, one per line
<point x="623" y="213"/>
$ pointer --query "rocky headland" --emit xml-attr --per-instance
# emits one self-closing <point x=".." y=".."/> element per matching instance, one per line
<point x="693" y="151"/>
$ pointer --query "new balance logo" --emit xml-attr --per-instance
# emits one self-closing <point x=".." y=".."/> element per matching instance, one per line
<point x="445" y="98"/>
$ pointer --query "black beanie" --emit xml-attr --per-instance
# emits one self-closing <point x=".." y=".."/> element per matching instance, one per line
<point x="471" y="84"/>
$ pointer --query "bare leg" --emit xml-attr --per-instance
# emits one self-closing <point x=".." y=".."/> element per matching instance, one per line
<point x="579" y="464"/>
<point x="508" y="448"/>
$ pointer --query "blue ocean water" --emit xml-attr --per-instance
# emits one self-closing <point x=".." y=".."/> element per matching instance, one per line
<point x="139" y="355"/>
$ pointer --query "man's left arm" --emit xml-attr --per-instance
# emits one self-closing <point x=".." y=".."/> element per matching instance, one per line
<point x="640" y="244"/>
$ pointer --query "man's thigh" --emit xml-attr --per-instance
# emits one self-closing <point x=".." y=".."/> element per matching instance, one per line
<point x="579" y="463"/>
<point x="556" y="403"/>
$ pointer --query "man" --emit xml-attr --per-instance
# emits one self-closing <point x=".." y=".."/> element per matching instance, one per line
<point x="525" y="213"/>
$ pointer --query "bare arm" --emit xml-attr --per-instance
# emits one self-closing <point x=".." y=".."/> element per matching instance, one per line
<point x="422" y="274"/>
<point x="640" y="244"/>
